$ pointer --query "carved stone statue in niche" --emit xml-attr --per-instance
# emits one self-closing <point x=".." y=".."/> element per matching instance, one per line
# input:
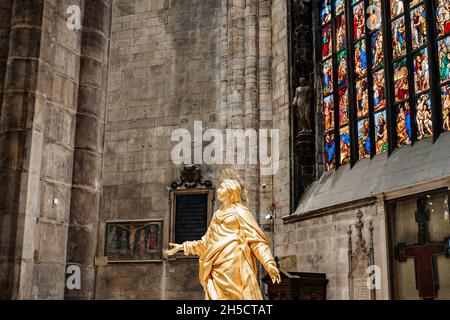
<point x="302" y="105"/>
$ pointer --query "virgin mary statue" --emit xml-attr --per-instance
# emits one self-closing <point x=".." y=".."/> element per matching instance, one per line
<point x="229" y="249"/>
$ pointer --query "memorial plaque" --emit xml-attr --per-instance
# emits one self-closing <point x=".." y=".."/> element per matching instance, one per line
<point x="360" y="260"/>
<point x="191" y="216"/>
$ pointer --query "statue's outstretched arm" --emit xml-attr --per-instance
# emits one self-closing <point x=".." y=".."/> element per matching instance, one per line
<point x="196" y="247"/>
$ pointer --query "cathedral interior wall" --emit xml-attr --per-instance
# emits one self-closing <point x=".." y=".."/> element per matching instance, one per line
<point x="164" y="75"/>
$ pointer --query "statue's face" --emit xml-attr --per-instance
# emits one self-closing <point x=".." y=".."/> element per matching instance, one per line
<point x="222" y="193"/>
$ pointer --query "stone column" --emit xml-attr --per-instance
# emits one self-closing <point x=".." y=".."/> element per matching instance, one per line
<point x="88" y="153"/>
<point x="264" y="99"/>
<point x="5" y="28"/>
<point x="251" y="100"/>
<point x="21" y="136"/>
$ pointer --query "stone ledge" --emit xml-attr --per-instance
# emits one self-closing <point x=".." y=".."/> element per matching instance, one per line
<point x="408" y="170"/>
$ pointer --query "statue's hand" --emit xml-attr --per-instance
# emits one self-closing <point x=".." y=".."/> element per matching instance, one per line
<point x="174" y="248"/>
<point x="274" y="274"/>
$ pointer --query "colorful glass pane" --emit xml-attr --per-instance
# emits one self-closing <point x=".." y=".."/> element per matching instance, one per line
<point x="377" y="50"/>
<point x="381" y="132"/>
<point x="327" y="42"/>
<point x="342" y="68"/>
<point x="418" y="27"/>
<point x="339" y="7"/>
<point x="379" y="96"/>
<point x="445" y="90"/>
<point x="413" y="3"/>
<point x="362" y="98"/>
<point x="401" y="80"/>
<point x="398" y="38"/>
<point x="403" y="124"/>
<point x="442" y="16"/>
<point x="397" y="8"/>
<point x="330" y="151"/>
<point x="343" y="107"/>
<point x="327" y="77"/>
<point x="375" y="18"/>
<point x="325" y="15"/>
<point x="359" y="20"/>
<point x="328" y="112"/>
<point x="423" y="117"/>
<point x="344" y="137"/>
<point x="341" y="39"/>
<point x="360" y="59"/>
<point x="444" y="59"/>
<point x="421" y="71"/>
<point x="363" y="139"/>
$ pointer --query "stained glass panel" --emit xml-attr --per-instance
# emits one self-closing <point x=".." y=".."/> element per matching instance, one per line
<point x="445" y="90"/>
<point x="341" y="39"/>
<point x="423" y="117"/>
<point x="444" y="59"/>
<point x="401" y="80"/>
<point x="442" y="16"/>
<point x="377" y="50"/>
<point x="381" y="137"/>
<point x="379" y="95"/>
<point x="398" y="38"/>
<point x="363" y="138"/>
<point x="330" y="151"/>
<point x="375" y="18"/>
<point x="342" y="68"/>
<point x="325" y="15"/>
<point x="327" y="77"/>
<point x="327" y="42"/>
<point x="345" y="144"/>
<point x="339" y="6"/>
<point x="421" y="71"/>
<point x="328" y="112"/>
<point x="343" y="107"/>
<point x="362" y="98"/>
<point x="360" y="59"/>
<point x="418" y="27"/>
<point x="397" y="8"/>
<point x="403" y="124"/>
<point x="413" y="3"/>
<point x="359" y="20"/>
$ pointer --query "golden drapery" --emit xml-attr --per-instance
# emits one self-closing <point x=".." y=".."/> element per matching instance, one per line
<point x="227" y="255"/>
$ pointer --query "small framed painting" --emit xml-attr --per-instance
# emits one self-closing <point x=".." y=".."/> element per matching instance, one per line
<point x="134" y="240"/>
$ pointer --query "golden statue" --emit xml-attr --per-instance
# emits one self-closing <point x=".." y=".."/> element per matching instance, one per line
<point x="229" y="249"/>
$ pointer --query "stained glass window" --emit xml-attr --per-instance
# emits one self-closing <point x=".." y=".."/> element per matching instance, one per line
<point x="442" y="12"/>
<point x="386" y="75"/>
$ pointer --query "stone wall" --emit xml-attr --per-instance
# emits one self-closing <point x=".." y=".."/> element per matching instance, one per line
<point x="164" y="74"/>
<point x="320" y="244"/>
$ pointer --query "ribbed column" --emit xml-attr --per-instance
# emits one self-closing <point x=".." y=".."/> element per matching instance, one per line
<point x="264" y="93"/>
<point x="251" y="100"/>
<point x="20" y="149"/>
<point x="88" y="153"/>
<point x="236" y="29"/>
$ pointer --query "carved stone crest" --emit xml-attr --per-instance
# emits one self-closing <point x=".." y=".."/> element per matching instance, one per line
<point x="360" y="260"/>
<point x="191" y="177"/>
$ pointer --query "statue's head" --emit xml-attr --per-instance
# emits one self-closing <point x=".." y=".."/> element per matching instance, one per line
<point x="302" y="81"/>
<point x="230" y="189"/>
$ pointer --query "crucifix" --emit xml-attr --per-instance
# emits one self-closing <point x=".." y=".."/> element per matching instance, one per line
<point x="423" y="254"/>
